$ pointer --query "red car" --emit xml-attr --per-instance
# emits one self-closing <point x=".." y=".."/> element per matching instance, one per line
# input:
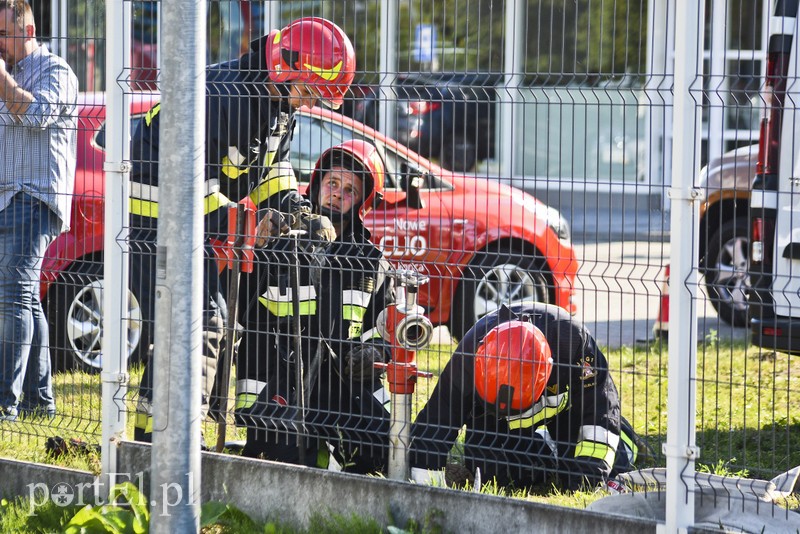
<point x="482" y="243"/>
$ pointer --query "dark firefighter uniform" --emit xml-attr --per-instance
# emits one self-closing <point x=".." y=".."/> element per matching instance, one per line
<point x="579" y="408"/>
<point x="247" y="151"/>
<point x="342" y="290"/>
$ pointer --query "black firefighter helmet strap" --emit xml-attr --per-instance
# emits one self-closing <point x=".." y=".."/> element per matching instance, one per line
<point x="506" y="314"/>
<point x="505" y="398"/>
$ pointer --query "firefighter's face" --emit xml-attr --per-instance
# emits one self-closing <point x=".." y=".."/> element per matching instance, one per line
<point x="12" y="38"/>
<point x="301" y="94"/>
<point x="340" y="190"/>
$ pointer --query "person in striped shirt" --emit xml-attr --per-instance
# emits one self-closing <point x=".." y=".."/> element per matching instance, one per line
<point x="38" y="144"/>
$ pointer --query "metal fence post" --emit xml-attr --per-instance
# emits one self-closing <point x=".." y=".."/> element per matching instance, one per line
<point x="115" y="296"/>
<point x="659" y="97"/>
<point x="718" y="82"/>
<point x="388" y="66"/>
<point x="513" y="59"/>
<point x="680" y="448"/>
<point x="175" y="462"/>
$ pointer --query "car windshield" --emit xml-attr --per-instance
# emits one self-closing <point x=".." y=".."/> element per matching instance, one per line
<point x="313" y="135"/>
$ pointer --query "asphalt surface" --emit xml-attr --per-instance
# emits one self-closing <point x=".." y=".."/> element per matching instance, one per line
<point x="619" y="290"/>
<point x="622" y="255"/>
<point x="619" y="286"/>
<point x="621" y="238"/>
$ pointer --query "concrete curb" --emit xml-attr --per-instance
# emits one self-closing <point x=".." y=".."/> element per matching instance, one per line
<point x="267" y="490"/>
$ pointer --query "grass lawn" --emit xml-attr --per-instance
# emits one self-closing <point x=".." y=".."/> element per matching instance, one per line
<point x="747" y="412"/>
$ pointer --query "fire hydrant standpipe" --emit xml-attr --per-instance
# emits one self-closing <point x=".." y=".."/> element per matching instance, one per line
<point x="405" y="326"/>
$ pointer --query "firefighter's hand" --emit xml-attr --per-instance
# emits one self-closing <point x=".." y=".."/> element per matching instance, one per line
<point x="360" y="362"/>
<point x="318" y="228"/>
<point x="271" y="224"/>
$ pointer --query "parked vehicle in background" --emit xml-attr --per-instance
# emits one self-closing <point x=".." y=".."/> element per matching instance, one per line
<point x="72" y="272"/>
<point x="724" y="230"/>
<point x="361" y="103"/>
<point x="775" y="206"/>
<point x="449" y="116"/>
<point x="481" y="243"/>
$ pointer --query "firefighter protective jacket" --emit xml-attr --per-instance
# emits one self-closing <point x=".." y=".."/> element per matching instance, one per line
<point x="342" y="290"/>
<point x="579" y="407"/>
<point x="248" y="136"/>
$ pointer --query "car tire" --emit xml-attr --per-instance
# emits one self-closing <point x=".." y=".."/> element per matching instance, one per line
<point x="74" y="307"/>
<point x="727" y="277"/>
<point x="459" y="155"/>
<point x="493" y="279"/>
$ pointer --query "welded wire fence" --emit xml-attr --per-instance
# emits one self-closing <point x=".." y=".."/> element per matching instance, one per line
<point x="549" y="182"/>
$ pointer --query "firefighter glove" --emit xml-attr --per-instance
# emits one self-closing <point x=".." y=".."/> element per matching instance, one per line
<point x="271" y="224"/>
<point x="360" y="362"/>
<point x="318" y="228"/>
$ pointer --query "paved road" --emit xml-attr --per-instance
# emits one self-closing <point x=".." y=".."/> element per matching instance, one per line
<point x="622" y="248"/>
<point x="619" y="290"/>
<point x="622" y="241"/>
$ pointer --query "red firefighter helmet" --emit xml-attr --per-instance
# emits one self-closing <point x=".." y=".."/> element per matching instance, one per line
<point x="362" y="158"/>
<point x="315" y="51"/>
<point x="512" y="366"/>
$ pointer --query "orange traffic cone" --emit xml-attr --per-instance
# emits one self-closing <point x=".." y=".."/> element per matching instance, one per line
<point x="661" y="326"/>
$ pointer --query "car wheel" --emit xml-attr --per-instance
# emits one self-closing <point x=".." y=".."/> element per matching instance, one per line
<point x="727" y="278"/>
<point x="493" y="279"/>
<point x="75" y="318"/>
<point x="459" y="155"/>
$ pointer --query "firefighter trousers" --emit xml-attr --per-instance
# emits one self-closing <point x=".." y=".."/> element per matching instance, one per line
<point x="143" y="281"/>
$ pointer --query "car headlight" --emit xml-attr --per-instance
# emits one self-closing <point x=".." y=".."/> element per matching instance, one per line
<point x="552" y="216"/>
<point x="559" y="224"/>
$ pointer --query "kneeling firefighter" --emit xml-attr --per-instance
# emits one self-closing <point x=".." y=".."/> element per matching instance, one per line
<point x="338" y="406"/>
<point x="539" y="403"/>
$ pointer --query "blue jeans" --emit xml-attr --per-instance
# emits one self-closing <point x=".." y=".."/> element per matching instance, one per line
<point x="27" y="226"/>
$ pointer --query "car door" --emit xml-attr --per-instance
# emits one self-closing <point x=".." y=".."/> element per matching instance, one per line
<point x="413" y="229"/>
<point x="786" y="283"/>
<point x="786" y="280"/>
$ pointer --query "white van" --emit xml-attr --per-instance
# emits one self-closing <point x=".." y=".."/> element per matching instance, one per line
<point x="774" y="297"/>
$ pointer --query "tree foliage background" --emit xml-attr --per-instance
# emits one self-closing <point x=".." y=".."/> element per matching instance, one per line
<point x="567" y="42"/>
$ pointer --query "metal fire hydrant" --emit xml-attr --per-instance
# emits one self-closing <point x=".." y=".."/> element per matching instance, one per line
<point x="405" y="326"/>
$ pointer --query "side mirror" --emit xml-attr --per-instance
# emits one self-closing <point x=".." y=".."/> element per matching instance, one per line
<point x="376" y="202"/>
<point x="413" y="198"/>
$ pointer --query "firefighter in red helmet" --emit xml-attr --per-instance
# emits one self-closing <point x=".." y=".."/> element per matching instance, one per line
<point x="250" y="105"/>
<point x="539" y="404"/>
<point x="341" y="292"/>
<point x="315" y="52"/>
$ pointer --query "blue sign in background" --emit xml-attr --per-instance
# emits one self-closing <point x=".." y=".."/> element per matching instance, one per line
<point x="424" y="43"/>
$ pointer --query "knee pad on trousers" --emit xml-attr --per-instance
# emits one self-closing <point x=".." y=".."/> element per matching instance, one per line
<point x="213" y="332"/>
